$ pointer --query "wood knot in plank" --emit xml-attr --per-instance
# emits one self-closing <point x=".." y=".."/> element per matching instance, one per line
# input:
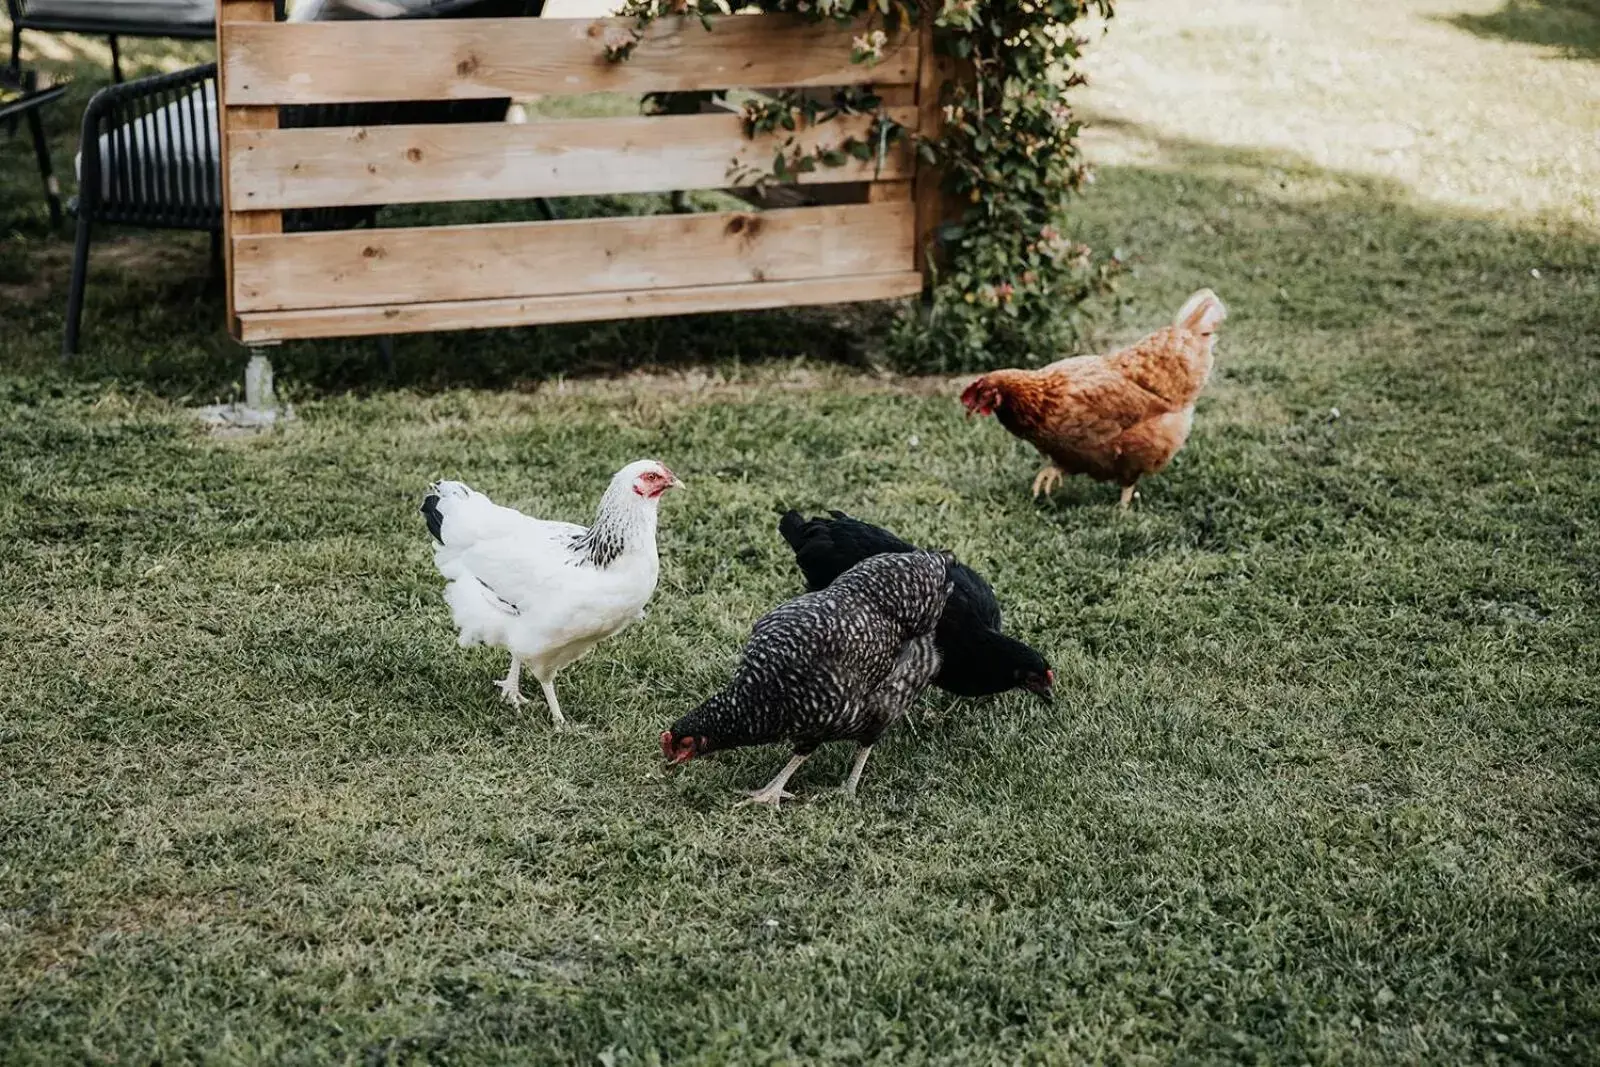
<point x="373" y="252"/>
<point x="414" y="154"/>
<point x="748" y="225"/>
<point x="468" y="66"/>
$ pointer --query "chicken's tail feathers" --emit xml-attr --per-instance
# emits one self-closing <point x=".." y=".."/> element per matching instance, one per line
<point x="1202" y="313"/>
<point x="947" y="560"/>
<point x="950" y="565"/>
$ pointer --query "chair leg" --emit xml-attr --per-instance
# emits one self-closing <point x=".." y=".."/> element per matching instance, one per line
<point x="547" y="209"/>
<point x="386" y="353"/>
<point x="80" y="278"/>
<point x="116" y="60"/>
<point x="14" y="71"/>
<point x="41" y="148"/>
<point x="217" y="267"/>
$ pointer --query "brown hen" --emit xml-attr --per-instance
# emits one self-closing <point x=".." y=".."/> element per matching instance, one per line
<point x="1116" y="417"/>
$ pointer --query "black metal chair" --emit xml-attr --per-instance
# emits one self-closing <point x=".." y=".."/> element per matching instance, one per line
<point x="21" y="94"/>
<point x="150" y="156"/>
<point x="193" y="20"/>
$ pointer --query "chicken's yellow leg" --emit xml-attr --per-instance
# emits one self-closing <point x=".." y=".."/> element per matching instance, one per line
<point x="774" y="793"/>
<point x="1127" y="497"/>
<point x="1047" y="479"/>
<point x="511" y="685"/>
<point x="854" y="780"/>
<point x="550" y="699"/>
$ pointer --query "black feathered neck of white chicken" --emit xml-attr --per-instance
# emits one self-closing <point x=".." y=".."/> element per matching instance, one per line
<point x="627" y="514"/>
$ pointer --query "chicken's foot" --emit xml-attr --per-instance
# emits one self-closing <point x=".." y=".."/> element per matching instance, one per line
<point x="856" y="768"/>
<point x="1047" y="479"/>
<point x="555" y="705"/>
<point x="774" y="792"/>
<point x="1127" y="497"/>
<point x="511" y="685"/>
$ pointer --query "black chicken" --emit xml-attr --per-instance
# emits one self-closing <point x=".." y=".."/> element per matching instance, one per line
<point x="841" y="664"/>
<point x="977" y="659"/>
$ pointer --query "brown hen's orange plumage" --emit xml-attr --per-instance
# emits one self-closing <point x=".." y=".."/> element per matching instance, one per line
<point x="1116" y="417"/>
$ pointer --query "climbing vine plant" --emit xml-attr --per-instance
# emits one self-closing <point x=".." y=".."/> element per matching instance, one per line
<point x="1010" y="278"/>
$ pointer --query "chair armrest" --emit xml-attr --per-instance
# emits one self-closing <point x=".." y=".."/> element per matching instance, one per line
<point x="150" y="151"/>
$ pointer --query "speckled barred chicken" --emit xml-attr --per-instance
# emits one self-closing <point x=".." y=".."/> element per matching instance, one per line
<point x="975" y="658"/>
<point x="841" y="664"/>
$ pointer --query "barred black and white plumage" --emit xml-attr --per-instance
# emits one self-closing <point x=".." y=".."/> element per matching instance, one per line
<point x="976" y="658"/>
<point x="840" y="664"/>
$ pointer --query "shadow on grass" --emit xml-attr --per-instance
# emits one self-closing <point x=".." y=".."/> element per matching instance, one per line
<point x="1572" y="27"/>
<point x="154" y="318"/>
<point x="1285" y="241"/>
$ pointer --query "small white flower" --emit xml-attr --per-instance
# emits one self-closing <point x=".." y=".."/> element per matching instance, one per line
<point x="1534" y="272"/>
<point x="870" y="45"/>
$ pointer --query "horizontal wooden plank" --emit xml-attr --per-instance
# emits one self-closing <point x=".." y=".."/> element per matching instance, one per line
<point x="304" y="168"/>
<point x="458" y="59"/>
<point x="353" y="268"/>
<point x="274" y="326"/>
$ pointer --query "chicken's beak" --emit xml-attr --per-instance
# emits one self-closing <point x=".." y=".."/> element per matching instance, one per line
<point x="1043" y="688"/>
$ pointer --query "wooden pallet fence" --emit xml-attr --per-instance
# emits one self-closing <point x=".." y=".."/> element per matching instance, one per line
<point x="860" y="243"/>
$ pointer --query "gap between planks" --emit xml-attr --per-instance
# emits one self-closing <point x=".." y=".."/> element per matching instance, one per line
<point x="374" y="165"/>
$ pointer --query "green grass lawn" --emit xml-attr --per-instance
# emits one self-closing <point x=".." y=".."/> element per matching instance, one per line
<point x="1321" y="783"/>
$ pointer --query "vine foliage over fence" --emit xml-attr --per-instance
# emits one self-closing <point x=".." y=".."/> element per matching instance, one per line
<point x="1010" y="278"/>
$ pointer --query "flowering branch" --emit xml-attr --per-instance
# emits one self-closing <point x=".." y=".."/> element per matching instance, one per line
<point x="1012" y="280"/>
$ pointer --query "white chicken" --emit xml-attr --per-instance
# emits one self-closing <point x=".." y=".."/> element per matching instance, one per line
<point x="546" y="591"/>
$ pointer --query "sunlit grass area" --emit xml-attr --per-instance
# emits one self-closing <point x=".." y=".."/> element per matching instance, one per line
<point x="1319" y="785"/>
